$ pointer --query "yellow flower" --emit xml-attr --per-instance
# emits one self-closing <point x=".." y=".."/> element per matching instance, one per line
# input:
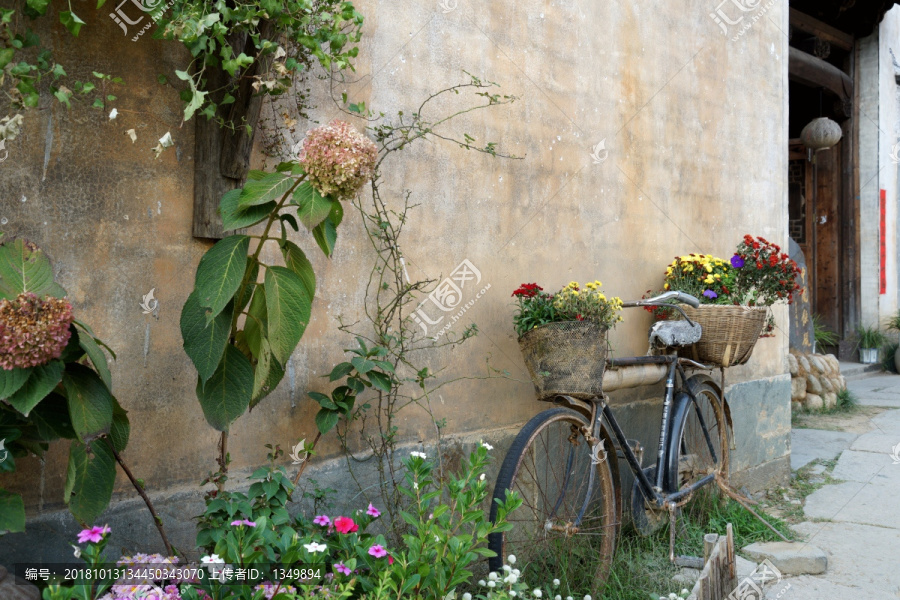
<point x="709" y="279"/>
<point x="601" y="296"/>
<point x="717" y="276"/>
<point x="597" y="283"/>
<point x="709" y="268"/>
<point x="573" y="284"/>
<point x="665" y="287"/>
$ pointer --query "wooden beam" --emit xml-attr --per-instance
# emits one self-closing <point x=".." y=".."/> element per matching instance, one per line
<point x="821" y="30"/>
<point x="814" y="72"/>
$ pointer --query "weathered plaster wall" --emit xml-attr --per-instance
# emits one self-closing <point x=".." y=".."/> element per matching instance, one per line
<point x="888" y="121"/>
<point x="694" y="122"/>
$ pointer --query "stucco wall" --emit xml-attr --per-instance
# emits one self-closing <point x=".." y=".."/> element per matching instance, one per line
<point x="694" y="121"/>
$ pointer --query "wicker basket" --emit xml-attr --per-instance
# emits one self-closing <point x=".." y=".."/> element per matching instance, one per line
<point x="729" y="333"/>
<point x="568" y="358"/>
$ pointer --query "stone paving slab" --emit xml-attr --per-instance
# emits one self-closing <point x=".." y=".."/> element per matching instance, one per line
<point x="887" y="422"/>
<point x="861" y="466"/>
<point x="856" y="554"/>
<point x="886" y="382"/>
<point x="877" y="442"/>
<point x="855" y="502"/>
<point x="809" y="587"/>
<point x="808" y="445"/>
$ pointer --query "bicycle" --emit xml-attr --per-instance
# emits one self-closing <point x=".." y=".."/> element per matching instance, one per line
<point x="571" y="513"/>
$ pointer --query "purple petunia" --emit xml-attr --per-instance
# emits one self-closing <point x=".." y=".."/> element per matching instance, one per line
<point x="736" y="261"/>
<point x="377" y="551"/>
<point x="342" y="568"/>
<point x="372" y="511"/>
<point x="322" y="520"/>
<point x="94" y="534"/>
<point x="710" y="294"/>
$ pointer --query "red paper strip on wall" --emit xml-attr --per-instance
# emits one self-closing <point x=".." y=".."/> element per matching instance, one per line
<point x="882" y="244"/>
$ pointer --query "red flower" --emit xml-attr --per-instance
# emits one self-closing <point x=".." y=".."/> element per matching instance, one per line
<point x="527" y="290"/>
<point x="345" y="525"/>
<point x="579" y="317"/>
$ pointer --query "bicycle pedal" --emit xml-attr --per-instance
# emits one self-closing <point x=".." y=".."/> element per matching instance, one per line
<point x="636" y="448"/>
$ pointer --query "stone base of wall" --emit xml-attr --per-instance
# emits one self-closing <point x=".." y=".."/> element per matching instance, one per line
<point x="759" y="459"/>
<point x="815" y="381"/>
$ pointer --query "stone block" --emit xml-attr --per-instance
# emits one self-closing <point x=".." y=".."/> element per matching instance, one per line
<point x="792" y="364"/>
<point x="813" y="385"/>
<point x="804" y="365"/>
<point x="814" y="402"/>
<point x="829" y="400"/>
<point x="791" y="558"/>
<point x="827" y="386"/>
<point x="815" y="362"/>
<point x="798" y="388"/>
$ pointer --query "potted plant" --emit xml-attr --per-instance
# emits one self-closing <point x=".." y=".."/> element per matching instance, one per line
<point x="562" y="337"/>
<point x="870" y="341"/>
<point x="735" y="297"/>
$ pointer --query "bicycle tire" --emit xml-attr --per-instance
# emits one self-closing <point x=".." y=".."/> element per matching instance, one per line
<point x="695" y="453"/>
<point x="544" y="526"/>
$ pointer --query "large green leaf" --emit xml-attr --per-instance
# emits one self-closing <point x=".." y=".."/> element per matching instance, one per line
<point x="120" y="430"/>
<point x="235" y="217"/>
<point x="295" y="260"/>
<point x="271" y="187"/>
<point x="11" y="381"/>
<point x="12" y="512"/>
<point x="90" y="403"/>
<point x="255" y="329"/>
<point x="326" y="420"/>
<point x="25" y="268"/>
<point x="52" y="419"/>
<point x="36" y="7"/>
<point x="246" y="292"/>
<point x="267" y="375"/>
<point x="288" y="307"/>
<point x="220" y="272"/>
<point x="226" y="395"/>
<point x="40" y="382"/>
<point x="90" y="479"/>
<point x="203" y="343"/>
<point x="98" y="359"/>
<point x="312" y="207"/>
<point x="325" y="234"/>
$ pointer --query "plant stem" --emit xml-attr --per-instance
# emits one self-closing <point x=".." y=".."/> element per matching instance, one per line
<point x="223" y="463"/>
<point x="306" y="462"/>
<point x="140" y="490"/>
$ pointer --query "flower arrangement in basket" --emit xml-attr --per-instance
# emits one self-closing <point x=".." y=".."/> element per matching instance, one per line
<point x="562" y="337"/>
<point x="735" y="297"/>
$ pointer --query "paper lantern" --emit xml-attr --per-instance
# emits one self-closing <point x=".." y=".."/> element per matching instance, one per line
<point x="820" y="134"/>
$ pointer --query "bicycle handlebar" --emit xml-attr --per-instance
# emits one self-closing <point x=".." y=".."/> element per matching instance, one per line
<point x="662" y="298"/>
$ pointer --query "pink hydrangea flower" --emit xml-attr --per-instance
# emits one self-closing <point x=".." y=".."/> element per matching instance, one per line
<point x="243" y="522"/>
<point x="342" y="568"/>
<point x="377" y="551"/>
<point x="372" y="511"/>
<point x="33" y="331"/>
<point x="94" y="534"/>
<point x="338" y="159"/>
<point x="322" y="520"/>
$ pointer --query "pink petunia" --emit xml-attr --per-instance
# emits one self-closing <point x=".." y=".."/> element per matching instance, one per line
<point x="377" y="551"/>
<point x="345" y="525"/>
<point x="372" y="511"/>
<point x="322" y="520"/>
<point x="94" y="534"/>
<point x="342" y="568"/>
<point x="243" y="522"/>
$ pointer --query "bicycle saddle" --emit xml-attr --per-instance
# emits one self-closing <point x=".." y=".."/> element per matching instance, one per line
<point x="675" y="333"/>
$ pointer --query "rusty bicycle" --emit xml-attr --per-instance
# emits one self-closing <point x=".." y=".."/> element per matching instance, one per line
<point x="564" y="462"/>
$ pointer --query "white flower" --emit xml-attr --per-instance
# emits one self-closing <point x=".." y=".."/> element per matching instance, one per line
<point x="684" y="592"/>
<point x="556" y="583"/>
<point x="507" y="568"/>
<point x="481" y="478"/>
<point x="315" y="547"/>
<point x="512" y="593"/>
<point x="418" y="454"/>
<point x="212" y="559"/>
<point x="587" y="597"/>
<point x="492" y="576"/>
<point x="511" y="559"/>
<point x="569" y="598"/>
<point x="77" y="552"/>
<point x="415" y="485"/>
<point x="486" y="446"/>
<point x="298" y="454"/>
<point x="113" y="114"/>
<point x="517" y="572"/>
<point x="537" y="593"/>
<point x="482" y="582"/>
<point x="673" y="596"/>
<point x="492" y="583"/>
<point x="512" y="577"/>
<point x="467" y="596"/>
<point x="557" y="597"/>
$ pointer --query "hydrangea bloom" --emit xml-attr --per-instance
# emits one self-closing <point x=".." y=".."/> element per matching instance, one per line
<point x="337" y="159"/>
<point x="33" y="331"/>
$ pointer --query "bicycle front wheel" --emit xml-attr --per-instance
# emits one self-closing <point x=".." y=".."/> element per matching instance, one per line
<point x="566" y="527"/>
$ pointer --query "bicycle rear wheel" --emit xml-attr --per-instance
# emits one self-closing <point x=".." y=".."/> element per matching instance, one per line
<point x="559" y="531"/>
<point x="702" y="440"/>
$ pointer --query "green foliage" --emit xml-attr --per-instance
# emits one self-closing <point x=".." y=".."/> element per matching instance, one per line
<point x="62" y="398"/>
<point x="275" y="42"/>
<point x="870" y="337"/>
<point x="823" y="335"/>
<point x="846" y="401"/>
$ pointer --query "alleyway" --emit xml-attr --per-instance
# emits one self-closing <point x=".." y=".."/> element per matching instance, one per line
<point x="856" y="521"/>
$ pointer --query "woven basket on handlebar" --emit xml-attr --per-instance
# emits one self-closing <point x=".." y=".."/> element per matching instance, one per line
<point x="568" y="358"/>
<point x="729" y="333"/>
